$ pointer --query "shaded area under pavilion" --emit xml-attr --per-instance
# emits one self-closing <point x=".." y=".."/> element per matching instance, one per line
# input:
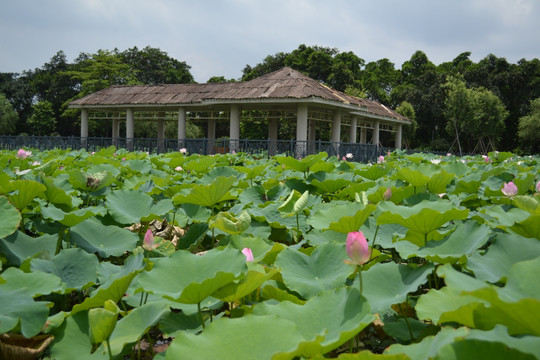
<point x="281" y="96"/>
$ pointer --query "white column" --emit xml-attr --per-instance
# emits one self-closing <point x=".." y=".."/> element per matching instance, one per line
<point x="301" y="130"/>
<point x="272" y="133"/>
<point x="234" y="128"/>
<point x="375" y="139"/>
<point x="181" y="127"/>
<point x="84" y="128"/>
<point x="363" y="135"/>
<point x="352" y="130"/>
<point x="399" y="131"/>
<point x="211" y="136"/>
<point x="336" y="131"/>
<point x="130" y="128"/>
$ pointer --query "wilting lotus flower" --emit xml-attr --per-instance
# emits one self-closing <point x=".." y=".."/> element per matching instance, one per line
<point x="248" y="253"/>
<point x="23" y="154"/>
<point x="380" y="159"/>
<point x="509" y="189"/>
<point x="148" y="242"/>
<point x="387" y="194"/>
<point x="357" y="248"/>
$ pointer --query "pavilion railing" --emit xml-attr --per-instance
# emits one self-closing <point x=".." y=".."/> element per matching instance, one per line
<point x="262" y="148"/>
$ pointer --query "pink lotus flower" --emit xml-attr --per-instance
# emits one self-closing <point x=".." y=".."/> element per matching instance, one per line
<point x="248" y="253"/>
<point x="344" y="159"/>
<point x="509" y="189"/>
<point x="148" y="242"/>
<point x="23" y="154"/>
<point x="387" y="194"/>
<point x="538" y="186"/>
<point x="178" y="168"/>
<point x="357" y="248"/>
<point x="380" y="159"/>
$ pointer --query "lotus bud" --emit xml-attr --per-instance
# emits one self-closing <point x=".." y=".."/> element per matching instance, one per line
<point x="509" y="189"/>
<point x="248" y="253"/>
<point x="380" y="159"/>
<point x="357" y="248"/>
<point x="148" y="242"/>
<point x="387" y="194"/>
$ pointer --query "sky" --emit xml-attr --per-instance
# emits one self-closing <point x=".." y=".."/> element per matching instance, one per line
<point x="221" y="37"/>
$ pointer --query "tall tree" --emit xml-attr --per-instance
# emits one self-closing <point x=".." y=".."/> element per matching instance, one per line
<point x="8" y="116"/>
<point x="529" y="128"/>
<point x="42" y="121"/>
<point x="379" y="79"/>
<point x="153" y="66"/>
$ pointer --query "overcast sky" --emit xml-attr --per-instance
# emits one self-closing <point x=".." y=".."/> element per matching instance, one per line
<point x="219" y="37"/>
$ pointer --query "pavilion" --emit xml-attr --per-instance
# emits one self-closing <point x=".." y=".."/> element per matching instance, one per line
<point x="279" y="96"/>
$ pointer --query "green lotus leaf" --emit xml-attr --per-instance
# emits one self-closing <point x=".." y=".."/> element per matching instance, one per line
<point x="303" y="165"/>
<point x="355" y="188"/>
<point x="102" y="322"/>
<point x="189" y="278"/>
<point x="365" y="355"/>
<point x="494" y="264"/>
<point x="18" y="246"/>
<point x="331" y="184"/>
<point x="389" y="283"/>
<point x="23" y="192"/>
<point x="133" y="326"/>
<point x="429" y="347"/>
<point x="326" y="213"/>
<point x="72" y="340"/>
<point x="327" y="320"/>
<point x="19" y="308"/>
<point x="58" y="196"/>
<point x="373" y="172"/>
<point x="174" y="323"/>
<point x="478" y="349"/>
<point x="94" y="237"/>
<point x="527" y="203"/>
<point x="294" y="204"/>
<point x="72" y="218"/>
<point x="193" y="237"/>
<point x="323" y="270"/>
<point x="270" y="214"/>
<point x="208" y="195"/>
<point x="347" y="224"/>
<point x="417" y="175"/>
<point x="199" y="164"/>
<point x="455" y="248"/>
<point x="529" y="227"/>
<point x="500" y="216"/>
<point x="281" y="343"/>
<point x="11" y="217"/>
<point x="439" y="182"/>
<point x="468" y="184"/>
<point x="76" y="267"/>
<point x="36" y="283"/>
<point x="231" y="224"/>
<point x="254" y="278"/>
<point x="423" y="218"/>
<point x="132" y="206"/>
<point x="525" y="344"/>
<point x="138" y="165"/>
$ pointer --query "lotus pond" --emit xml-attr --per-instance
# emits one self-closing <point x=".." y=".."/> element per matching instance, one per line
<point x="126" y="255"/>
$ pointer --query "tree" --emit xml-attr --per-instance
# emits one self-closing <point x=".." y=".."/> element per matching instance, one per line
<point x="379" y="79"/>
<point x="42" y="121"/>
<point x="475" y="112"/>
<point x="8" y="116"/>
<point x="529" y="128"/>
<point x="153" y="66"/>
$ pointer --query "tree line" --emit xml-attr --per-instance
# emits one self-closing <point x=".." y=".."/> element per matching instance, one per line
<point x="459" y="104"/>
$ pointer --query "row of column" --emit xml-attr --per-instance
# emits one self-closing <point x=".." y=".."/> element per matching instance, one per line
<point x="305" y="130"/>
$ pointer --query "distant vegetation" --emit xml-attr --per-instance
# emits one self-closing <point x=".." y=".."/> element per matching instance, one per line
<point x="487" y="103"/>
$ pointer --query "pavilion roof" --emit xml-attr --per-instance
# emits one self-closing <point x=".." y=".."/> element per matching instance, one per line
<point x="283" y="84"/>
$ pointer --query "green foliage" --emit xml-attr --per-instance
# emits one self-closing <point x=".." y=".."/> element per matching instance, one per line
<point x="529" y="127"/>
<point x="452" y="274"/>
<point x="42" y="121"/>
<point x="8" y="116"/>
